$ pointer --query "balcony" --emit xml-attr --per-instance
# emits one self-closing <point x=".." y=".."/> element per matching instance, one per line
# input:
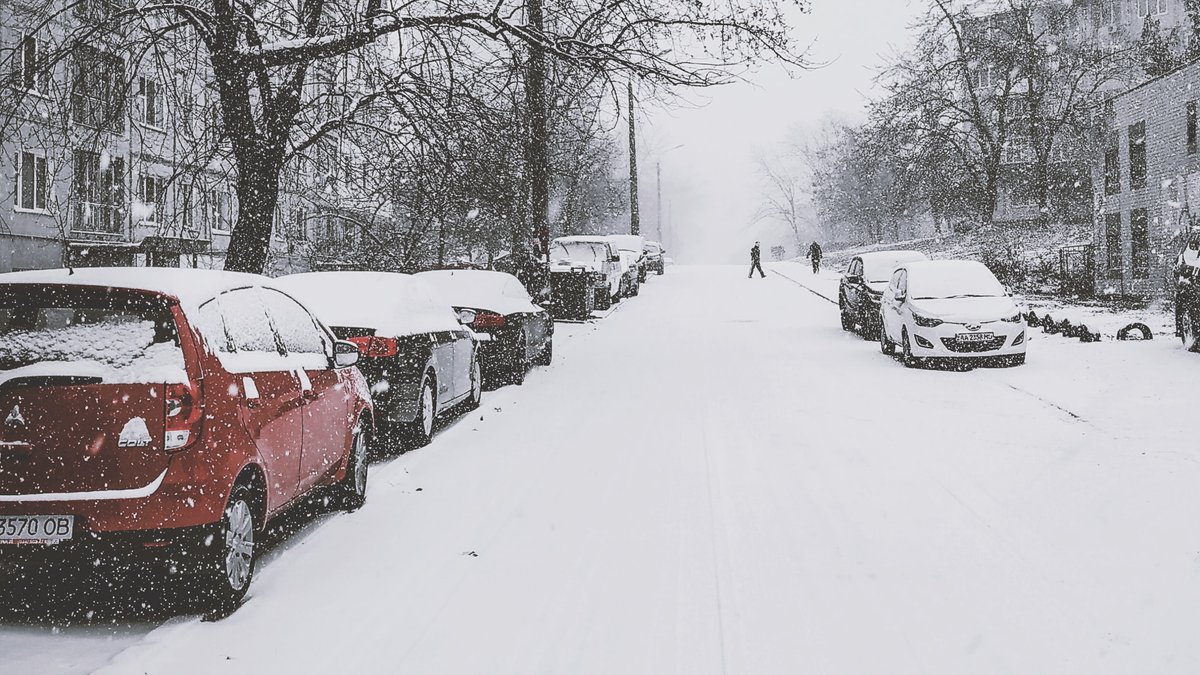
<point x="94" y="220"/>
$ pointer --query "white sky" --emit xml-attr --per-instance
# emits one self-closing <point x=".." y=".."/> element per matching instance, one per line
<point x="709" y="185"/>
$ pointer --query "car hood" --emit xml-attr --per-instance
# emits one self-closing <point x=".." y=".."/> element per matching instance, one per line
<point x="959" y="310"/>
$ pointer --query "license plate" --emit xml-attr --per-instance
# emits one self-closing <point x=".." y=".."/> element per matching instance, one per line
<point x="975" y="337"/>
<point x="35" y="529"/>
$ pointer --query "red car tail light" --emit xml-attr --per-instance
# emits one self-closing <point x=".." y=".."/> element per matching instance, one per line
<point x="487" y="320"/>
<point x="185" y="415"/>
<point x="372" y="347"/>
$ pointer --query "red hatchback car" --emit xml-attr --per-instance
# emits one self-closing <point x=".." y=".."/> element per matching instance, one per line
<point x="169" y="412"/>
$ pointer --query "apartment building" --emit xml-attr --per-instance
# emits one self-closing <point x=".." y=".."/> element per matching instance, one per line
<point x="110" y="159"/>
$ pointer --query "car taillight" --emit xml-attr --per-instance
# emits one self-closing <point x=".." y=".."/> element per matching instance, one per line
<point x="372" y="347"/>
<point x="487" y="320"/>
<point x="185" y="415"/>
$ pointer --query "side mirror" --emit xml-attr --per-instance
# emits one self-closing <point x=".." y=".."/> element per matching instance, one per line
<point x="902" y="296"/>
<point x="345" y="354"/>
<point x="466" y="316"/>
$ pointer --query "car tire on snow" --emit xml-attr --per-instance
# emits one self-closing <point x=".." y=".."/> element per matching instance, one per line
<point x="906" y="354"/>
<point x="230" y="552"/>
<point x="847" y="320"/>
<point x="420" y="430"/>
<point x="520" y="364"/>
<point x="350" y="493"/>
<point x="885" y="345"/>
<point x="546" y="355"/>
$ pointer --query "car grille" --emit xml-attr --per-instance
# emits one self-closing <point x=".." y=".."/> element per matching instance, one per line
<point x="974" y="347"/>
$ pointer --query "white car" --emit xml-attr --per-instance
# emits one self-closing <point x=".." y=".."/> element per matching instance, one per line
<point x="635" y="244"/>
<point x="950" y="309"/>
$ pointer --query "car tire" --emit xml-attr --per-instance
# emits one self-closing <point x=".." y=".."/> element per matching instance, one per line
<point x="885" y="344"/>
<point x="847" y="320"/>
<point x="604" y="297"/>
<point x="350" y="493"/>
<point x="1188" y="325"/>
<point x="906" y="354"/>
<point x="546" y="356"/>
<point x="231" y="552"/>
<point x="420" y="430"/>
<point x="476" y="386"/>
<point x="637" y="288"/>
<point x="520" y="363"/>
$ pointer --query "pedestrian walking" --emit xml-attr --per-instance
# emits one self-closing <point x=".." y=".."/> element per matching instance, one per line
<point x="756" y="262"/>
<point x="814" y="254"/>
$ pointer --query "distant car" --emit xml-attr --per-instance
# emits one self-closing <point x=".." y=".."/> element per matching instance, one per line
<point x="950" y="309"/>
<point x="635" y="244"/>
<point x="597" y="256"/>
<point x="519" y="332"/>
<point x="169" y="415"/>
<point x="654" y="257"/>
<point x="862" y="285"/>
<point x="631" y="283"/>
<point x="418" y="357"/>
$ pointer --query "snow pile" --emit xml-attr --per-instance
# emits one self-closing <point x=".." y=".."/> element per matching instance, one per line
<point x="114" y="349"/>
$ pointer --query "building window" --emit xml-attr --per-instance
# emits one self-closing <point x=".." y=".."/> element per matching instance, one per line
<point x="1139" y="243"/>
<point x="1137" y="156"/>
<point x="149" y="102"/>
<point x="152" y="193"/>
<point x="299" y="225"/>
<point x="1112" y="237"/>
<point x="1148" y="7"/>
<point x="1191" y="127"/>
<point x="33" y="73"/>
<point x="97" y="94"/>
<point x="1112" y="165"/>
<point x="32" y="181"/>
<point x="220" y="211"/>
<point x="984" y="76"/>
<point x="1108" y="12"/>
<point x="98" y="188"/>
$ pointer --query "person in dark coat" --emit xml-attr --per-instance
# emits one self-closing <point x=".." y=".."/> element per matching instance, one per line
<point x="814" y="254"/>
<point x="756" y="262"/>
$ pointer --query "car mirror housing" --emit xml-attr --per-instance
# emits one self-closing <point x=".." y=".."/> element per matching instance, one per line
<point x="345" y="354"/>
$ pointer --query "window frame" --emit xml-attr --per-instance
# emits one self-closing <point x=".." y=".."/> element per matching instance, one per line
<point x="149" y="100"/>
<point x="39" y="158"/>
<point x="33" y="78"/>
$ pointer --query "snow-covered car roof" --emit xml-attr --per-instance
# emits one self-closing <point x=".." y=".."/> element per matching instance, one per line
<point x="481" y="289"/>
<point x="951" y="278"/>
<point x="391" y="303"/>
<point x="628" y="242"/>
<point x="191" y="287"/>
<point x="878" y="266"/>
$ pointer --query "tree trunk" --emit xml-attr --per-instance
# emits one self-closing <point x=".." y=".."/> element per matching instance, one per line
<point x="635" y="225"/>
<point x="538" y="158"/>
<point x="258" y="196"/>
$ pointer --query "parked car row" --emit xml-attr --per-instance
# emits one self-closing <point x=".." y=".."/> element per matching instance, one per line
<point x="592" y="272"/>
<point x="168" y="416"/>
<point x="931" y="309"/>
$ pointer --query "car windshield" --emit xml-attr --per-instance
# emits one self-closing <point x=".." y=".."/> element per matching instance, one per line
<point x="971" y="280"/>
<point x="118" y="338"/>
<point x="577" y="251"/>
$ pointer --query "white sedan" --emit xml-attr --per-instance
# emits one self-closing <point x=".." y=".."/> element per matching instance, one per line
<point x="950" y="309"/>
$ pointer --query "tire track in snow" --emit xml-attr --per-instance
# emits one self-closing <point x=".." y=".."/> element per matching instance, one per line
<point x="805" y="287"/>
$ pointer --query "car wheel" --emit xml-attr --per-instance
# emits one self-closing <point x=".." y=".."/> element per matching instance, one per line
<point x="885" y="345"/>
<point x="420" y="430"/>
<point x="520" y="363"/>
<point x="546" y="355"/>
<point x="637" y="288"/>
<point x="476" y="386"/>
<point x="232" y="551"/>
<point x="604" y="297"/>
<point x="351" y="492"/>
<point x="847" y="320"/>
<point x="910" y="361"/>
<point x="1187" y="329"/>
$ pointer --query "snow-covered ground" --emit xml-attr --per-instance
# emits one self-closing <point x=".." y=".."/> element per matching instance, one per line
<point x="717" y="479"/>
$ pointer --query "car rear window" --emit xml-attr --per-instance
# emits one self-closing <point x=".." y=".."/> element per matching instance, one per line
<point x="104" y="336"/>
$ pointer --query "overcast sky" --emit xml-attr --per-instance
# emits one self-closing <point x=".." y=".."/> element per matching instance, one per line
<point x="709" y="184"/>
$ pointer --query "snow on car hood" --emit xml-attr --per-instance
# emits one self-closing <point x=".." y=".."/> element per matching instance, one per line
<point x="958" y="310"/>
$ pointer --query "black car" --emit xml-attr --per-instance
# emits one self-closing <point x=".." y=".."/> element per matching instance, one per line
<point x="654" y="257"/>
<point x="1187" y="292"/>
<point x="419" y="360"/>
<point x="516" y="332"/>
<point x="862" y="285"/>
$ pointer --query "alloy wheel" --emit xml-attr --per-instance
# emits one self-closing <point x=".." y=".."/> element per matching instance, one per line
<point x="239" y="544"/>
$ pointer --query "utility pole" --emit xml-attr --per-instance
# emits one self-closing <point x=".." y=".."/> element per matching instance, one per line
<point x="635" y="226"/>
<point x="538" y="154"/>
<point x="658" y="199"/>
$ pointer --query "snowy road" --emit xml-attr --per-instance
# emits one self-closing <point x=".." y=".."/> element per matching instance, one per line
<point x="717" y="479"/>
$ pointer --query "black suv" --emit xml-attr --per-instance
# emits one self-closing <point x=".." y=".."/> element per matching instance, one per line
<point x="862" y="285"/>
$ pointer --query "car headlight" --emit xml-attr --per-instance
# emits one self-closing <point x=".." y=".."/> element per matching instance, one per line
<point x="927" y="322"/>
<point x="1015" y="318"/>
